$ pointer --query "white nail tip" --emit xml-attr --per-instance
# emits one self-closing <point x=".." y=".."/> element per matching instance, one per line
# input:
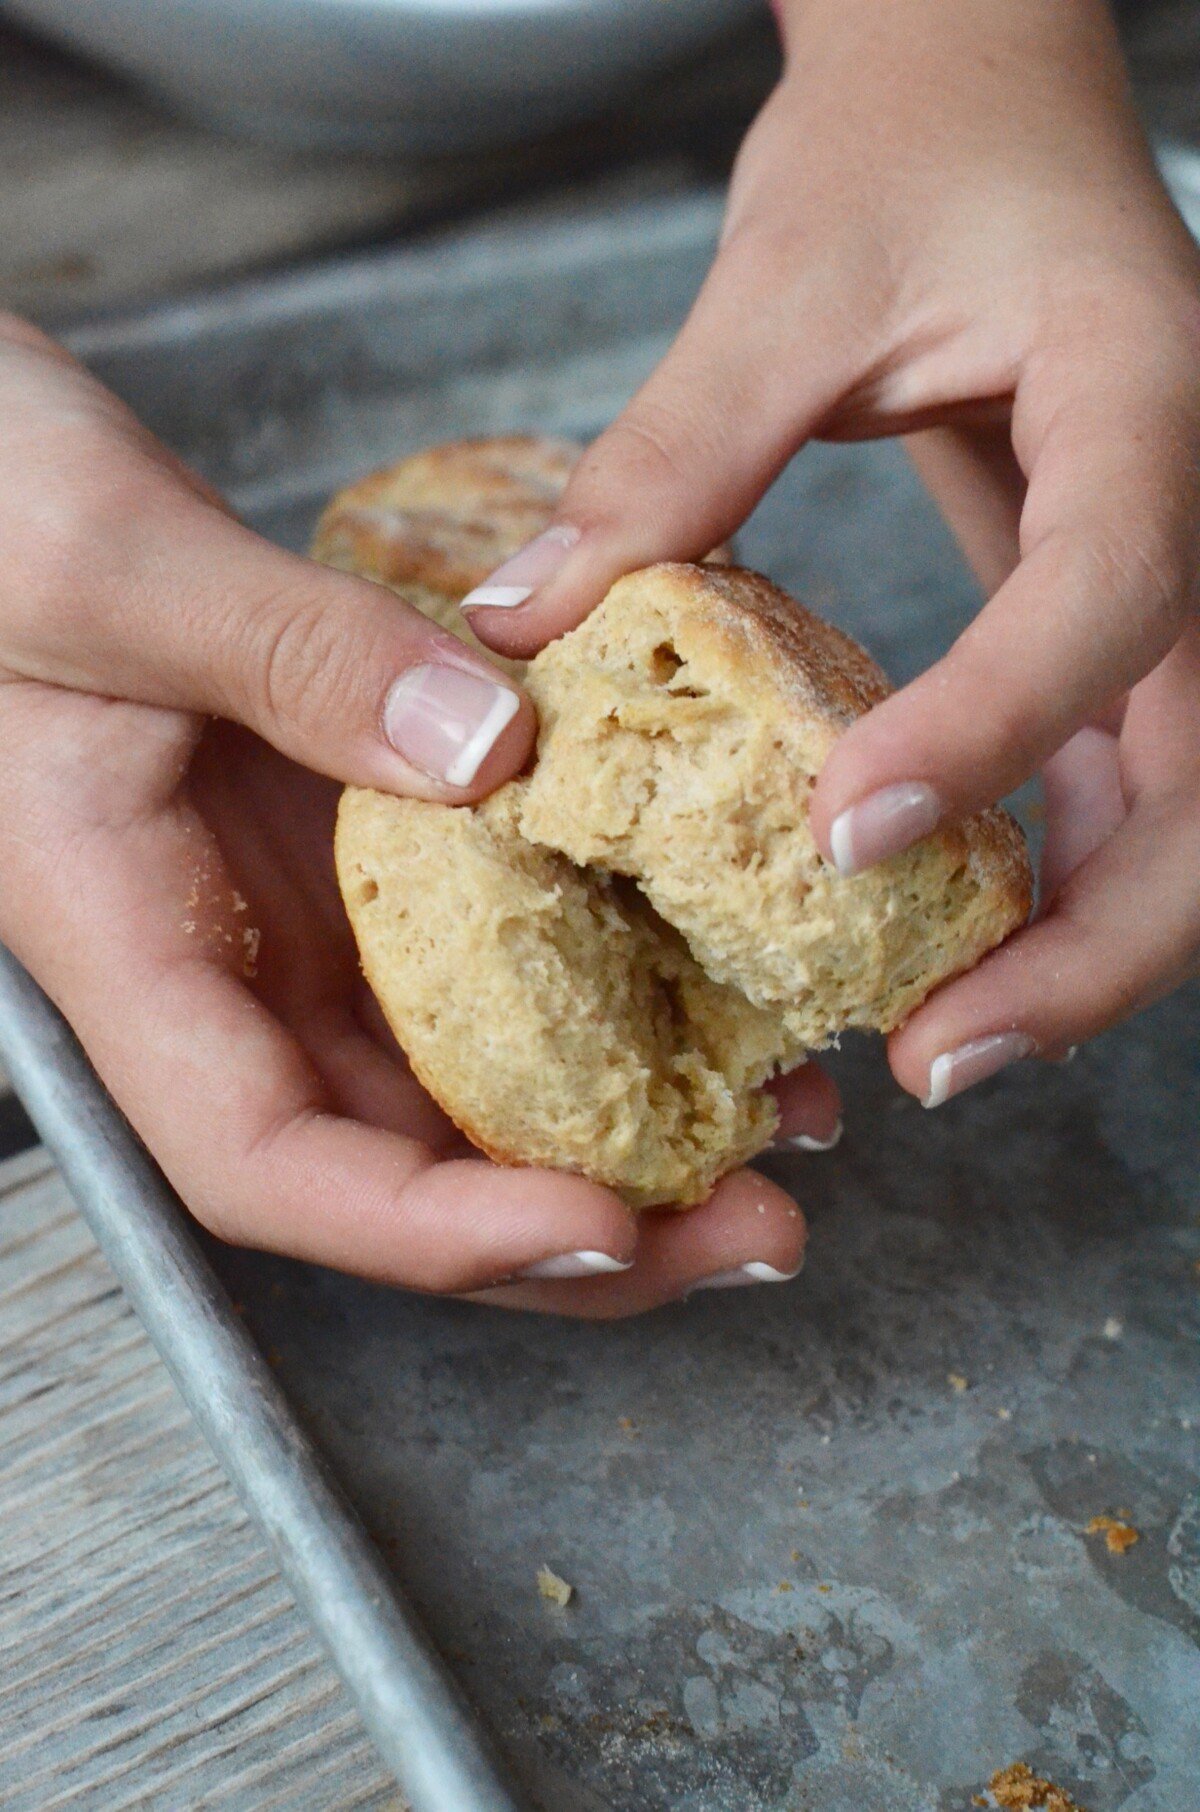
<point x="467" y="762"/>
<point x="577" y="1264"/>
<point x="841" y="843"/>
<point x="496" y="597"/>
<point x="974" y="1062"/>
<point x="940" y="1072"/>
<point x="755" y="1272"/>
<point x="803" y="1141"/>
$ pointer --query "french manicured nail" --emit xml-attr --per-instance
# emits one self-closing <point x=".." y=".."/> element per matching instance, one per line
<point x="754" y="1272"/>
<point x="803" y="1141"/>
<point x="533" y="565"/>
<point x="445" y="720"/>
<point x="883" y="824"/>
<point x="577" y="1264"/>
<point x="954" y="1071"/>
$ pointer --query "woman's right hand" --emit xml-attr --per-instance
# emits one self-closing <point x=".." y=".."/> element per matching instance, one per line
<point x="179" y="702"/>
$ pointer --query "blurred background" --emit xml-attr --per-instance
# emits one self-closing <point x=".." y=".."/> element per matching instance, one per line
<point x="146" y="149"/>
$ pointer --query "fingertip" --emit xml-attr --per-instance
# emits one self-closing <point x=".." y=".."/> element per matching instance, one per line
<point x="590" y="566"/>
<point x="810" y="1109"/>
<point x="746" y="1202"/>
<point x="507" y="754"/>
<point x="460" y="730"/>
<point x="968" y="1031"/>
<point x="525" y="1217"/>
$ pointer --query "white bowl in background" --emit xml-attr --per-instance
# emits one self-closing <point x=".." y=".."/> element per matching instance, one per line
<point x="423" y="76"/>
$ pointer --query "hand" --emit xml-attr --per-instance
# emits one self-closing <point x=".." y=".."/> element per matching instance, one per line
<point x="178" y="703"/>
<point x="946" y="223"/>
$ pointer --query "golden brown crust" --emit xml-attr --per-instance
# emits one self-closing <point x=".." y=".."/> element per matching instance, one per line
<point x="442" y="520"/>
<point x="818" y="665"/>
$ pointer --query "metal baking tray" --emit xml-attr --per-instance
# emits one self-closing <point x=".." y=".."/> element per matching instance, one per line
<point x="830" y="1541"/>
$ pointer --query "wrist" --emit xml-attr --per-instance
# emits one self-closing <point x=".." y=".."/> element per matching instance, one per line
<point x="922" y="25"/>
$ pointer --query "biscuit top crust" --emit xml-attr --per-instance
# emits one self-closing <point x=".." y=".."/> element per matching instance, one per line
<point x="444" y="519"/>
<point x="808" y="662"/>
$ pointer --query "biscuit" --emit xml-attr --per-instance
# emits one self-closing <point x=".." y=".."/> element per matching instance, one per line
<point x="599" y="967"/>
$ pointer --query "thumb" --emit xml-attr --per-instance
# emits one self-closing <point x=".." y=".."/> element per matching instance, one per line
<point x="124" y="576"/>
<point x="339" y="674"/>
<point x="349" y="679"/>
<point x="687" y="460"/>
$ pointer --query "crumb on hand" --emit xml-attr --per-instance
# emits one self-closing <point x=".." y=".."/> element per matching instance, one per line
<point x="555" y="1589"/>
<point x="1117" y="1535"/>
<point x="1019" y="1789"/>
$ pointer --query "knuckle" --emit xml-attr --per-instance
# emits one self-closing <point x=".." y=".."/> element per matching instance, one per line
<point x="300" y="663"/>
<point x="1152" y="567"/>
<point x="23" y="334"/>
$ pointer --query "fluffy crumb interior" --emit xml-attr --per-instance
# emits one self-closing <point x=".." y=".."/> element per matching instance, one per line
<point x="660" y="760"/>
<point x="560" y="1019"/>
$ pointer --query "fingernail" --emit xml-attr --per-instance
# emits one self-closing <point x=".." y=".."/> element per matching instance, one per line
<point x="576" y="1264"/>
<point x="752" y="1273"/>
<point x="533" y="565"/>
<point x="803" y="1141"/>
<point x="445" y="720"/>
<point x="954" y="1071"/>
<point x="883" y="824"/>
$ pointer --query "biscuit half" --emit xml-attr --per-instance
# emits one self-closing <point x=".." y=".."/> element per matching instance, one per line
<point x="547" y="1008"/>
<point x="683" y="726"/>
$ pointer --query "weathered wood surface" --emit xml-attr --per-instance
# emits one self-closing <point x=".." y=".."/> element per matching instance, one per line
<point x="150" y="1654"/>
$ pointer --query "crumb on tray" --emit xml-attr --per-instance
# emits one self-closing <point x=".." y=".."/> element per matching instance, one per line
<point x="1117" y="1535"/>
<point x="1019" y="1789"/>
<point x="555" y="1589"/>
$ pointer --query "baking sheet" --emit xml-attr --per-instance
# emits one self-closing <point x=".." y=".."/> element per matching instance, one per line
<point x="812" y="1570"/>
